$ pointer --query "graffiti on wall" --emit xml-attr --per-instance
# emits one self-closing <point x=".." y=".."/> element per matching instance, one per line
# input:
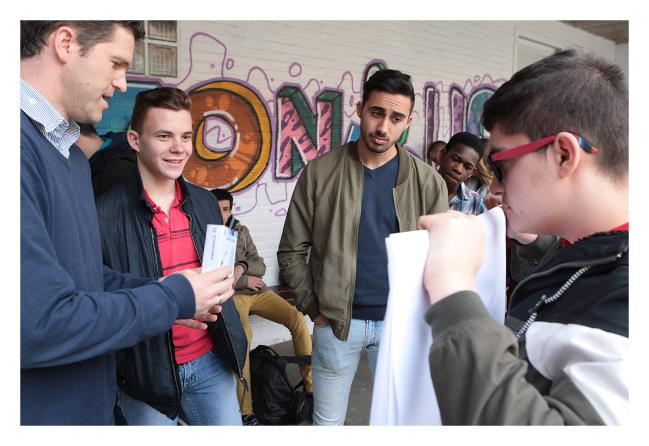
<point x="232" y="136"/>
<point x="465" y="105"/>
<point x="245" y="129"/>
<point x="303" y="134"/>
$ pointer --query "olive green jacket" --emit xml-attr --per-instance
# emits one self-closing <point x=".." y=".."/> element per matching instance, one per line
<point x="248" y="257"/>
<point x="323" y="223"/>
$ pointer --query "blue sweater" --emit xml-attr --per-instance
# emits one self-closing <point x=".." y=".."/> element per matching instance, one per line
<point x="378" y="221"/>
<point x="74" y="312"/>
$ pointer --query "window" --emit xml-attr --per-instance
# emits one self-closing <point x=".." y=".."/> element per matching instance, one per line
<point x="163" y="60"/>
<point x="162" y="30"/>
<point x="157" y="54"/>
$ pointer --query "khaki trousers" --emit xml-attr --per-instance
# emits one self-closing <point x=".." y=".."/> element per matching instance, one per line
<point x="273" y="307"/>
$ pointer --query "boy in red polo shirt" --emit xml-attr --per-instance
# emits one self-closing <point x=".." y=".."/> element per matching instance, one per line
<point x="561" y="164"/>
<point x="154" y="225"/>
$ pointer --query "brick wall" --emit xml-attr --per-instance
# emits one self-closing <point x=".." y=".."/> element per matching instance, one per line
<point x="269" y="96"/>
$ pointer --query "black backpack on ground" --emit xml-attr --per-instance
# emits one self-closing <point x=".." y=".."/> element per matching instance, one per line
<point x="274" y="399"/>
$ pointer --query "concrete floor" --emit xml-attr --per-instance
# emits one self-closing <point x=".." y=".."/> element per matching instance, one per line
<point x="358" y="408"/>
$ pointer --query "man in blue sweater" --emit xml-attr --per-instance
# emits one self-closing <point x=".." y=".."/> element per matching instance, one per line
<point x="75" y="313"/>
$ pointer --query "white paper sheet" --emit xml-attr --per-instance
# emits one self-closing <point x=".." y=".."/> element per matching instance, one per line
<point x="220" y="248"/>
<point x="403" y="390"/>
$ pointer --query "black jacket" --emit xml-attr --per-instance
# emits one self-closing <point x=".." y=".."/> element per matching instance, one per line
<point x="598" y="299"/>
<point x="112" y="166"/>
<point x="148" y="371"/>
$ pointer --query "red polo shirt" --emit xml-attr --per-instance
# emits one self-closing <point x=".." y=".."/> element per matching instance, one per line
<point x="177" y="252"/>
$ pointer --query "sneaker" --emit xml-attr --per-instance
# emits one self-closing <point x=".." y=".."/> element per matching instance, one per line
<point x="250" y="420"/>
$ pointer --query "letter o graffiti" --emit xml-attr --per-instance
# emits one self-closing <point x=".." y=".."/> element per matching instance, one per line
<point x="232" y="137"/>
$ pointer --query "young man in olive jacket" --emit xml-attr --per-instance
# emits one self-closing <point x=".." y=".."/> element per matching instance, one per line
<point x="561" y="164"/>
<point x="152" y="226"/>
<point x="344" y="205"/>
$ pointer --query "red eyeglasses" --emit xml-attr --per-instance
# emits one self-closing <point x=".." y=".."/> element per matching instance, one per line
<point x="528" y="148"/>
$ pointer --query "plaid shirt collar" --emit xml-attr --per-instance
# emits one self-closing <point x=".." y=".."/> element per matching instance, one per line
<point x="462" y="192"/>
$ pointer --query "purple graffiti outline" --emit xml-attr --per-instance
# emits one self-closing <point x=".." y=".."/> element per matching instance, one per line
<point x="268" y="198"/>
<point x="471" y="85"/>
<point x="216" y="127"/>
<point x="435" y="111"/>
<point x="191" y="54"/>
<point x="290" y="69"/>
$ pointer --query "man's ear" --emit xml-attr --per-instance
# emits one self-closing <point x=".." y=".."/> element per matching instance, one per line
<point x="566" y="153"/>
<point x="408" y="123"/>
<point x="64" y="42"/>
<point x="133" y="140"/>
<point x="359" y="108"/>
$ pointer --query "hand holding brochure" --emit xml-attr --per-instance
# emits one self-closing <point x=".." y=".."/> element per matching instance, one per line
<point x="220" y="248"/>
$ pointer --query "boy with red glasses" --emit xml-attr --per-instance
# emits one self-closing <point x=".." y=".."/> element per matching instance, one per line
<point x="561" y="165"/>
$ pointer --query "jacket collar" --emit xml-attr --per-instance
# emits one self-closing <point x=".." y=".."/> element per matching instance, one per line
<point x="463" y="193"/>
<point x="135" y="190"/>
<point x="404" y="169"/>
<point x="232" y="222"/>
<point x="596" y="246"/>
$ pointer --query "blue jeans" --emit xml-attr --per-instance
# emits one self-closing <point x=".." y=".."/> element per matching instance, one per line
<point x="209" y="397"/>
<point x="334" y="364"/>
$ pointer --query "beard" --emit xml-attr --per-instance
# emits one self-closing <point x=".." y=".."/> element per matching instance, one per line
<point x="376" y="148"/>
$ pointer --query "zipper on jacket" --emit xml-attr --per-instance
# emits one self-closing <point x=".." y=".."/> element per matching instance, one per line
<point x="352" y="283"/>
<point x="396" y="208"/>
<point x="234" y="353"/>
<point x="229" y="342"/>
<point x="172" y="360"/>
<point x="586" y="263"/>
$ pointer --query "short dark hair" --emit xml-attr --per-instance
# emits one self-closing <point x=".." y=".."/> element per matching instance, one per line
<point x="222" y="194"/>
<point x="34" y="33"/>
<point x="468" y="139"/>
<point x="170" y="98"/>
<point x="389" y="81"/>
<point x="568" y="91"/>
<point x="435" y="143"/>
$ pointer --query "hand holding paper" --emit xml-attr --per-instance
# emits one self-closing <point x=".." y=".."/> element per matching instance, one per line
<point x="210" y="288"/>
<point x="213" y="284"/>
<point x="455" y="253"/>
<point x="220" y="248"/>
<point x="451" y="266"/>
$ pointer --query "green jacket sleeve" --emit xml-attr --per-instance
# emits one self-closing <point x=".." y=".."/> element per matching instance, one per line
<point x="479" y="378"/>
<point x="249" y="258"/>
<point x="294" y="246"/>
<point x="439" y="202"/>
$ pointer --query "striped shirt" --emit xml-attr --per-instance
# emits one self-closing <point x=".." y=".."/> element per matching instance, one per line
<point x="467" y="201"/>
<point x="60" y="132"/>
